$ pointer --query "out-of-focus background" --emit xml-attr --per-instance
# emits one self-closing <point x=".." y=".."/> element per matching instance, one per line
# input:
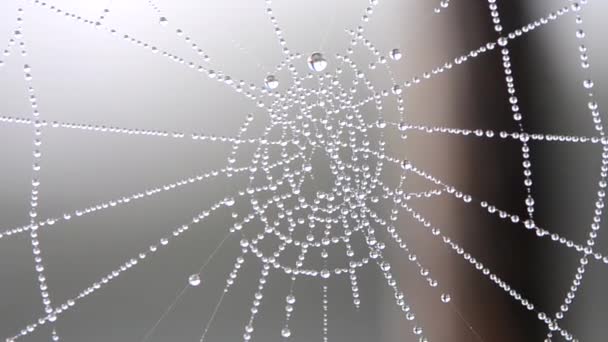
<point x="82" y="74"/>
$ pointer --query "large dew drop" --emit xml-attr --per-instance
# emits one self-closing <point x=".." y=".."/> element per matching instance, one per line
<point x="325" y="273"/>
<point x="194" y="280"/>
<point x="446" y="298"/>
<point x="396" y="54"/>
<point x="271" y="82"/>
<point x="316" y="62"/>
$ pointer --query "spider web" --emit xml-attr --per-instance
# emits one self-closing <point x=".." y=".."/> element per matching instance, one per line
<point x="316" y="122"/>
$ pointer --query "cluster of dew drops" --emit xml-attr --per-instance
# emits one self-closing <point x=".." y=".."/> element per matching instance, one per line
<point x="317" y="63"/>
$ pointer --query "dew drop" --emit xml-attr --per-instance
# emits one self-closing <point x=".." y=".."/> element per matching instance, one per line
<point x="194" y="280"/>
<point x="325" y="273"/>
<point x="316" y="62"/>
<point x="396" y="54"/>
<point x="446" y="298"/>
<point x="290" y="299"/>
<point x="397" y="89"/>
<point x="385" y="266"/>
<point x="271" y="82"/>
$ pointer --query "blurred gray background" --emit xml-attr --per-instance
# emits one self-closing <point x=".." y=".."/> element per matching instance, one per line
<point x="84" y="75"/>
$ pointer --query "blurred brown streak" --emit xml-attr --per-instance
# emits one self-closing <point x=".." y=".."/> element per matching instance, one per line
<point x="480" y="310"/>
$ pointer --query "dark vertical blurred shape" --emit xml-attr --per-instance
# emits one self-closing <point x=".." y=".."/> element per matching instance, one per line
<point x="504" y="247"/>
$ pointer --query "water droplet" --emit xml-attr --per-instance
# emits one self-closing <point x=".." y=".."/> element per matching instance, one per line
<point x="396" y="54"/>
<point x="406" y="165"/>
<point x="194" y="280"/>
<point x="316" y="62"/>
<point x="163" y="21"/>
<point x="397" y="89"/>
<point x="285" y="332"/>
<point x="385" y="266"/>
<point x="271" y="82"/>
<point x="446" y="298"/>
<point x="290" y="299"/>
<point x="325" y="273"/>
<point x="580" y="33"/>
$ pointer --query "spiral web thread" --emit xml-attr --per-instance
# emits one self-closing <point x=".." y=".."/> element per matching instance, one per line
<point x="357" y="161"/>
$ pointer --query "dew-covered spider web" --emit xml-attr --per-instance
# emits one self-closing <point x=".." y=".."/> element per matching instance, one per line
<point x="320" y="192"/>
